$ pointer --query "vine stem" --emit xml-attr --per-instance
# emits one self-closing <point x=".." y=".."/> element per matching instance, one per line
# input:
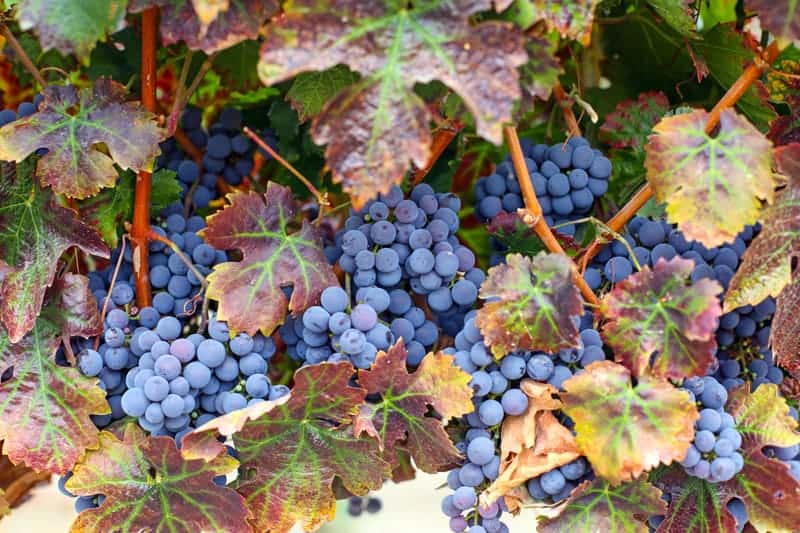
<point x="23" y="57"/>
<point x="183" y="96"/>
<point x="532" y="204"/>
<point x="569" y="115"/>
<point x="321" y="198"/>
<point x="140" y="228"/>
<point x="729" y="99"/>
<point x="177" y="104"/>
<point x="441" y="140"/>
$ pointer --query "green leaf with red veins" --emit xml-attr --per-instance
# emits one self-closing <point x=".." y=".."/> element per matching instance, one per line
<point x="394" y="47"/>
<point x="34" y="232"/>
<point x="249" y="291"/>
<point x="625" y="430"/>
<point x="713" y="186"/>
<point x="785" y="337"/>
<point x="598" y="506"/>
<point x="291" y="453"/>
<point x="779" y="17"/>
<point x="572" y="18"/>
<point x="403" y="411"/>
<point x="72" y="124"/>
<point x="540" y="74"/>
<point x="209" y="30"/>
<point x="149" y="486"/>
<point x="660" y="324"/>
<point x="629" y="125"/>
<point x="531" y="304"/>
<point x="766" y="266"/>
<point x="44" y="407"/>
<point x="70" y="26"/>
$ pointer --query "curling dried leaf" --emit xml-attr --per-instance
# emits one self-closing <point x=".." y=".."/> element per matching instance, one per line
<point x="779" y="17"/>
<point x="149" y="486"/>
<point x="536" y="304"/>
<point x="249" y="291"/>
<point x="34" y="232"/>
<point x="632" y="121"/>
<point x="44" y="407"/>
<point x="598" y="506"/>
<point x="291" y="454"/>
<point x="660" y="324"/>
<point x="72" y="124"/>
<point x="713" y="186"/>
<point x="572" y="18"/>
<point x="766" y="266"/>
<point x="376" y="127"/>
<point x="402" y="414"/>
<point x="625" y="430"/>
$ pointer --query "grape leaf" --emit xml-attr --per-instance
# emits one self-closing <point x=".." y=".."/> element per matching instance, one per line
<point x="532" y="443"/>
<point x="625" y="430"/>
<point x="713" y="186"/>
<point x="785" y="334"/>
<point x="310" y="90"/>
<point x="149" y="486"/>
<point x="249" y="291"/>
<point x="107" y="210"/>
<point x="402" y="414"/>
<point x="34" y="232"/>
<point x="629" y="125"/>
<point x="291" y="454"/>
<point x="572" y="18"/>
<point x="766" y="264"/>
<point x="659" y="324"/>
<point x="375" y="127"/>
<point x="72" y="124"/>
<point x="781" y="18"/>
<point x="540" y="74"/>
<point x="598" y="506"/>
<point x="17" y="482"/>
<point x="181" y="21"/>
<point x="678" y="15"/>
<point x="532" y="303"/>
<point x="696" y="506"/>
<point x="71" y="26"/>
<point x="45" y="408"/>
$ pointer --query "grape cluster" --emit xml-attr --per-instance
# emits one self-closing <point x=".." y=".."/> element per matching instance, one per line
<point x="398" y="243"/>
<point x="790" y="454"/>
<point x="338" y="331"/>
<point x="714" y="453"/>
<point x="357" y="505"/>
<point x="23" y="110"/>
<point x="497" y="394"/>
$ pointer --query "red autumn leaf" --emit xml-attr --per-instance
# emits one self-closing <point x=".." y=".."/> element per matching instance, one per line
<point x="779" y="17"/>
<point x="629" y="125"/>
<point x="785" y="331"/>
<point x="572" y="18"/>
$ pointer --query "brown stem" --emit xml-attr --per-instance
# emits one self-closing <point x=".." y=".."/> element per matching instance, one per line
<point x="111" y="286"/>
<point x="441" y="140"/>
<point x="566" y="107"/>
<point x="23" y="57"/>
<point x="141" y="207"/>
<point x="204" y="68"/>
<point x="321" y="198"/>
<point x="532" y="204"/>
<point x="177" y="104"/>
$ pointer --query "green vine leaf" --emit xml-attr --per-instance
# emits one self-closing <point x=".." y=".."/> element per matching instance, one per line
<point x="70" y="124"/>
<point x="625" y="430"/>
<point x="44" y="407"/>
<point x="659" y="324"/>
<point x="632" y="121"/>
<point x="70" y="26"/>
<point x="310" y="90"/>
<point x="249" y="291"/>
<point x="678" y="14"/>
<point x="290" y="452"/>
<point x="402" y="414"/>
<point x="540" y="74"/>
<point x="766" y="266"/>
<point x="598" y="506"/>
<point x="781" y="18"/>
<point x="530" y="305"/>
<point x="572" y="18"/>
<point x="375" y="127"/>
<point x="696" y="506"/>
<point x="713" y="186"/>
<point x="149" y="486"/>
<point x="34" y="232"/>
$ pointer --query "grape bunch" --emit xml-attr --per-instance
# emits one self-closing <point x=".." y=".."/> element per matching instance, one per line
<point x="356" y="505"/>
<point x="714" y="454"/>
<point x="497" y="394"/>
<point x="23" y="110"/>
<point x="336" y="330"/>
<point x="398" y="243"/>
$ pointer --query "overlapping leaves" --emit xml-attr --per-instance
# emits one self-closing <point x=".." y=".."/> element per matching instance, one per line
<point x="250" y="292"/>
<point x="401" y="415"/>
<point x="572" y="18"/>
<point x="625" y="430"/>
<point x="767" y="263"/>
<point x="713" y="185"/>
<point x="632" y="121"/>
<point x="72" y="125"/>
<point x="311" y="90"/>
<point x="375" y="127"/>
<point x="44" y="407"/>
<point x="781" y="18"/>
<point x="149" y="486"/>
<point x="530" y="305"/>
<point x="34" y="232"/>
<point x="660" y="324"/>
